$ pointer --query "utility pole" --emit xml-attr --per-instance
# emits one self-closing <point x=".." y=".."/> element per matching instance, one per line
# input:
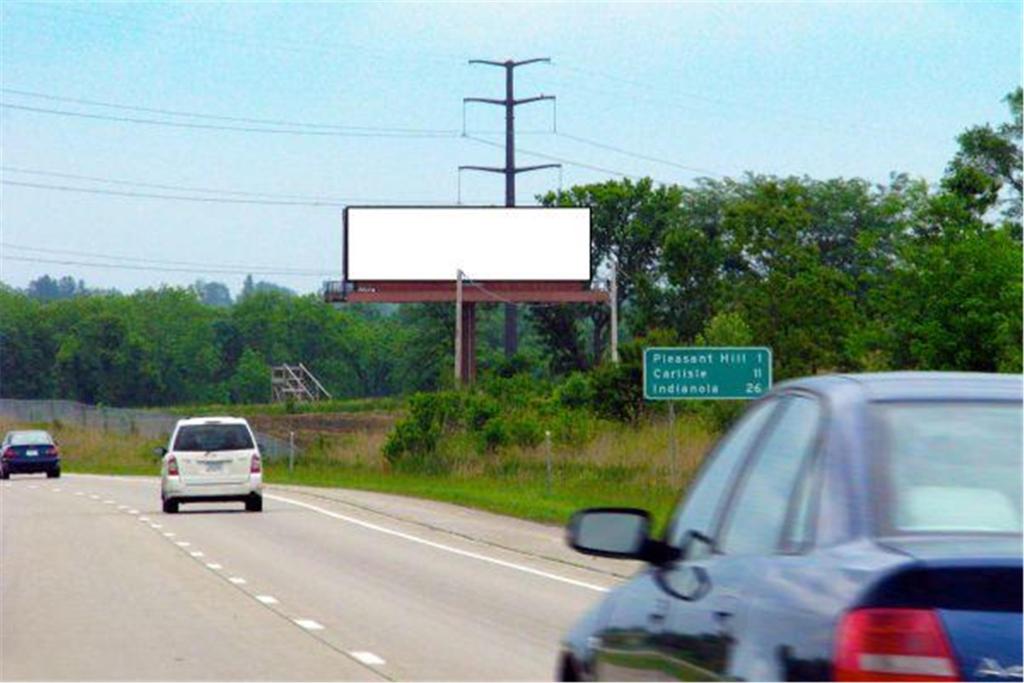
<point x="509" y="170"/>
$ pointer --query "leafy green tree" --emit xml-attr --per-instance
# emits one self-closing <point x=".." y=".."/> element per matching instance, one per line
<point x="989" y="160"/>
<point x="251" y="381"/>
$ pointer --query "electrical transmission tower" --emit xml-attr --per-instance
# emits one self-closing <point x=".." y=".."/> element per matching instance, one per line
<point x="510" y="169"/>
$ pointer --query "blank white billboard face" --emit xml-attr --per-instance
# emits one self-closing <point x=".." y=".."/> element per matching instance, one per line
<point x="423" y="244"/>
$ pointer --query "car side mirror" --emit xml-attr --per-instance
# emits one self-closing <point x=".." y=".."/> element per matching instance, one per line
<point x="610" y="532"/>
<point x="695" y="545"/>
<point x="160" y="451"/>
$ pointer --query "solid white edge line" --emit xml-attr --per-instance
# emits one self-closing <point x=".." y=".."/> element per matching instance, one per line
<point x="439" y="546"/>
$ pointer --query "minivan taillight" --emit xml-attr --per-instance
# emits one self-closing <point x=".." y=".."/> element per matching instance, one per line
<point x="172" y="466"/>
<point x="893" y="644"/>
<point x="255" y="467"/>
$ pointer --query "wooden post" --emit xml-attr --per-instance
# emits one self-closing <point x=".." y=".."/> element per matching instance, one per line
<point x="547" y="453"/>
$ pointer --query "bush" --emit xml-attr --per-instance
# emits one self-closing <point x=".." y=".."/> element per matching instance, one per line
<point x="525" y="431"/>
<point x="576" y="392"/>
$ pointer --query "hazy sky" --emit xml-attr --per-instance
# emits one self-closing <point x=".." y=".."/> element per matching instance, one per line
<point x="823" y="89"/>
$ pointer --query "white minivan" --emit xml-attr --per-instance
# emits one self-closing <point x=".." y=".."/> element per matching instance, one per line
<point x="211" y="459"/>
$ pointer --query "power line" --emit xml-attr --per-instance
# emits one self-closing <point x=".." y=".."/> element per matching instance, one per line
<point x="242" y="269"/>
<point x="119" y="266"/>
<point x="315" y="200"/>
<point x="759" y="107"/>
<point x="638" y="155"/>
<point x="217" y="117"/>
<point x="194" y="198"/>
<point x="569" y="162"/>
<point x="238" y="129"/>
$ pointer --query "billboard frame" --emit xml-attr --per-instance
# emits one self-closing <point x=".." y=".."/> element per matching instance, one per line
<point x="549" y="285"/>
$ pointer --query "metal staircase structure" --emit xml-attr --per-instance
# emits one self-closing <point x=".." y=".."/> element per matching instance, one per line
<point x="295" y="383"/>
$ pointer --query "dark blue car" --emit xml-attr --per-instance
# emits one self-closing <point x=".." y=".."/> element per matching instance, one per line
<point x="863" y="527"/>
<point x="24" y="452"/>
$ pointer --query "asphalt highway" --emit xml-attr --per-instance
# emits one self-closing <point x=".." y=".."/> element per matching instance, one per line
<point x="96" y="583"/>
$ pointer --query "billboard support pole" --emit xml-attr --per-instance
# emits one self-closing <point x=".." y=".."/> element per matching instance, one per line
<point x="458" y="328"/>
<point x="613" y="301"/>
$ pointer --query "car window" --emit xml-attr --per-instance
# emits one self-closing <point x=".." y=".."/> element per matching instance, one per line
<point x="952" y="467"/>
<point x="30" y="438"/>
<point x="757" y="516"/>
<point x="213" y="437"/>
<point x="698" y="508"/>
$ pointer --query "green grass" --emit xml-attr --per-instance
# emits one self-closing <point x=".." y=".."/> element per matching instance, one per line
<point x="523" y="495"/>
<point x="621" y="466"/>
<point x="346" y="405"/>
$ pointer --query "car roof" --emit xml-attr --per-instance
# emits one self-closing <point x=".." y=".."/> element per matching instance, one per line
<point x="897" y="386"/>
<point x="188" y="421"/>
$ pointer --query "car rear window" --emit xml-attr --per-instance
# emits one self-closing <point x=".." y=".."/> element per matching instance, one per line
<point x="213" y="437"/>
<point x="30" y="438"/>
<point x="952" y="467"/>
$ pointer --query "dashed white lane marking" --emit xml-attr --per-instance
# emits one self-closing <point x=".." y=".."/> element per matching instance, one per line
<point x="156" y="526"/>
<point x="309" y="624"/>
<point x="238" y="580"/>
<point x="267" y="599"/>
<point x="32" y="486"/>
<point x="367" y="658"/>
<point x="196" y="553"/>
<point x="94" y="496"/>
<point x="79" y="493"/>
<point x="143" y="519"/>
<point x="108" y="502"/>
<point x="122" y="507"/>
<point x="439" y="546"/>
<point x="56" y="490"/>
<point x="213" y="565"/>
<point x="133" y="512"/>
<point x="184" y="544"/>
<point x="170" y="534"/>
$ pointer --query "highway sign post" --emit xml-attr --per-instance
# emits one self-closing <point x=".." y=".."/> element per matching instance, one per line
<point x="707" y="373"/>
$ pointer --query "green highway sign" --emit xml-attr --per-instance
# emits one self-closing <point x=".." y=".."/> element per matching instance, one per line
<point x="707" y="372"/>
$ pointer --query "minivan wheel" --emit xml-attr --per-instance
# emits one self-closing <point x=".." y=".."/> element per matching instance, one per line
<point x="4" y="474"/>
<point x="170" y="506"/>
<point x="254" y="503"/>
<point x="53" y="474"/>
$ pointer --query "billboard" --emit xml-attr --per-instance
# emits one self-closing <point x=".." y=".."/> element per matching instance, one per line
<point x="423" y="244"/>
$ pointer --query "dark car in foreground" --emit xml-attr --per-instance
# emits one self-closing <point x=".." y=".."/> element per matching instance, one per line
<point x="863" y="527"/>
<point x="24" y="452"/>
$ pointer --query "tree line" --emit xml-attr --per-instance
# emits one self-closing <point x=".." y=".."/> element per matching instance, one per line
<point x="833" y="275"/>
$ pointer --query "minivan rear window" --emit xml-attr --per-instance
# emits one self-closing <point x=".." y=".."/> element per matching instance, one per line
<point x="952" y="466"/>
<point x="213" y="437"/>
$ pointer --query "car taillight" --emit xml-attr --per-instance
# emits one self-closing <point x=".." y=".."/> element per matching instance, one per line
<point x="172" y="467"/>
<point x="255" y="467"/>
<point x="52" y="451"/>
<point x="9" y="453"/>
<point x="890" y="644"/>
